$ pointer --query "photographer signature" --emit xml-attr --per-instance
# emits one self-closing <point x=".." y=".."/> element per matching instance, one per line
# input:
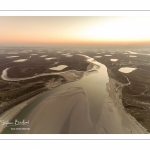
<point x="15" y="123"/>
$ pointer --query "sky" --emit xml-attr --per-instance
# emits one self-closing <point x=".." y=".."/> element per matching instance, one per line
<point x="55" y="30"/>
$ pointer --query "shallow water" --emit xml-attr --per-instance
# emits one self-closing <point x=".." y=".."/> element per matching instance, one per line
<point x="50" y="58"/>
<point x="127" y="69"/>
<point x="20" y="60"/>
<point x="60" y="67"/>
<point x="11" y="56"/>
<point x="43" y="55"/>
<point x="132" y="56"/>
<point x="138" y="53"/>
<point x="94" y="83"/>
<point x="132" y="52"/>
<point x="114" y="60"/>
<point x="108" y="55"/>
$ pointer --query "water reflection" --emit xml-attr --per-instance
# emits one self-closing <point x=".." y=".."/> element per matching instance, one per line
<point x="20" y="60"/>
<point x="132" y="56"/>
<point x="127" y="69"/>
<point x="94" y="85"/>
<point x="58" y="68"/>
<point x="114" y="60"/>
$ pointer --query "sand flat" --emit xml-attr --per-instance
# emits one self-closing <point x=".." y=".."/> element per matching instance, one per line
<point x="65" y="112"/>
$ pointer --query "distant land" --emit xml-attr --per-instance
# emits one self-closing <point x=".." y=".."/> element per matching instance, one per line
<point x="75" y="89"/>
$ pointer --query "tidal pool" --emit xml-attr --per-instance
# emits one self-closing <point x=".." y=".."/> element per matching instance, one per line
<point x="132" y="52"/>
<point x="127" y="69"/>
<point x="11" y="56"/>
<point x="20" y="60"/>
<point x="50" y="58"/>
<point x="58" y="68"/>
<point x="94" y="84"/>
<point x="132" y="56"/>
<point x="43" y="56"/>
<point x="114" y="60"/>
<point x="108" y="55"/>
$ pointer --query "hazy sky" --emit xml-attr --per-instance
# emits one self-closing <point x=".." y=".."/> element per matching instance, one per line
<point x="74" y="30"/>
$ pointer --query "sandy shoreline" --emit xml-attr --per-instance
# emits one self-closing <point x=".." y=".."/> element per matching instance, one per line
<point x="70" y="75"/>
<point x="114" y="119"/>
<point x="68" y="112"/>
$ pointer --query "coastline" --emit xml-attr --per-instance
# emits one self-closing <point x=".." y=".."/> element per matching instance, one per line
<point x="114" y="119"/>
<point x="70" y="76"/>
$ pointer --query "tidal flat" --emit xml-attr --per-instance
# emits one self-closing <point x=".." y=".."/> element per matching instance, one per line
<point x="96" y="72"/>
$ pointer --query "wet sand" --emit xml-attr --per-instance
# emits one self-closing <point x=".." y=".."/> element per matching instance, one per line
<point x="70" y="75"/>
<point x="67" y="112"/>
<point x="114" y="119"/>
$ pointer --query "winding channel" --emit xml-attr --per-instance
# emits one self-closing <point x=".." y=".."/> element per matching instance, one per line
<point x="94" y="84"/>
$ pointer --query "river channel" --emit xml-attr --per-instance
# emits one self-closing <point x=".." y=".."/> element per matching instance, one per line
<point x="94" y="82"/>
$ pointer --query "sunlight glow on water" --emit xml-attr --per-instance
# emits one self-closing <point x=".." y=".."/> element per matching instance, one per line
<point x="108" y="55"/>
<point x="11" y="56"/>
<point x="132" y="56"/>
<point x="20" y="60"/>
<point x="50" y="58"/>
<point x="61" y="67"/>
<point x="114" y="60"/>
<point x="127" y="69"/>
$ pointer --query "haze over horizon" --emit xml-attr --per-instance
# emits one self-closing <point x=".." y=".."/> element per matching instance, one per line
<point x="64" y="30"/>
